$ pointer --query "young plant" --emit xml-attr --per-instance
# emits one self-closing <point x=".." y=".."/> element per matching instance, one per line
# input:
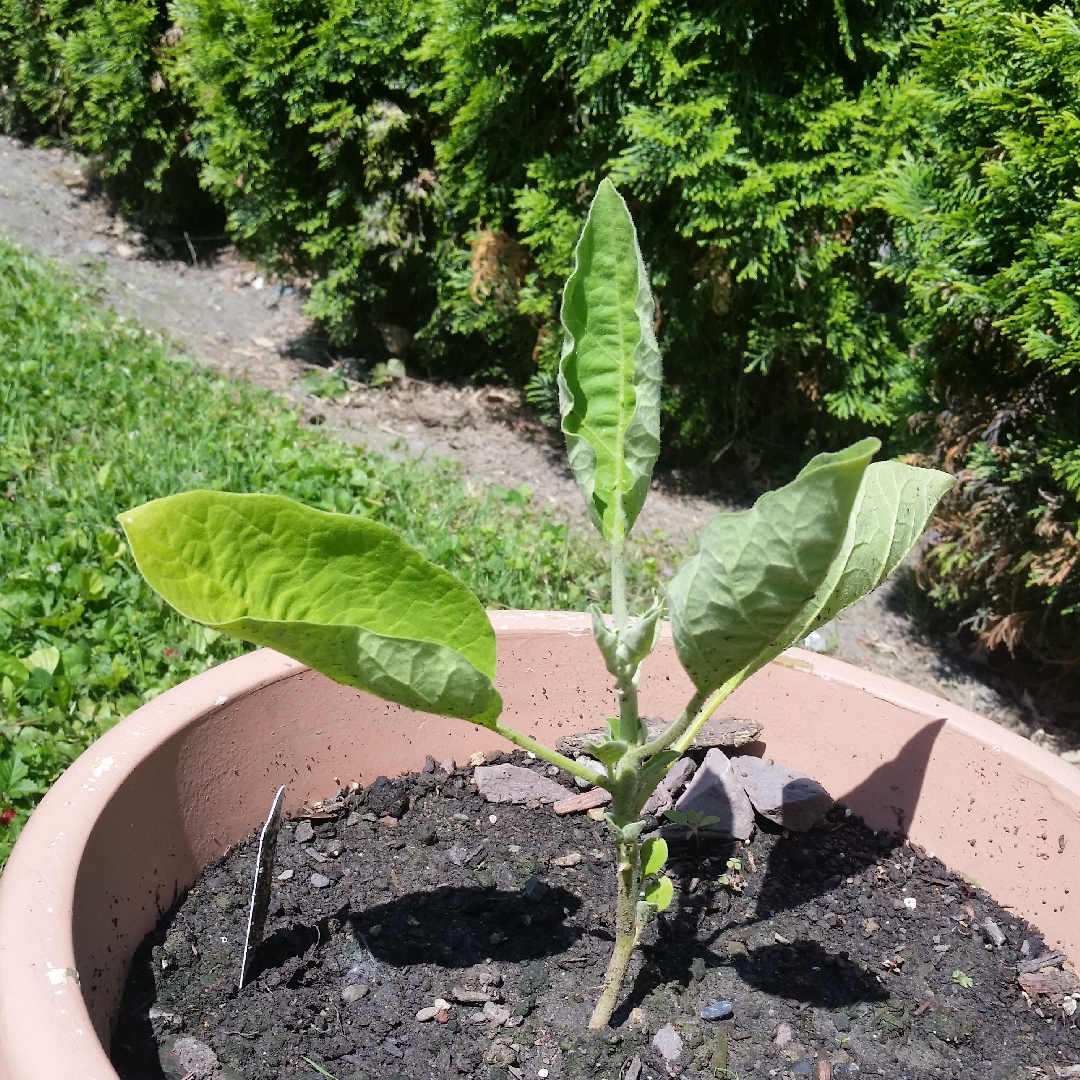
<point x="693" y="821"/>
<point x="732" y="878"/>
<point x="348" y="597"/>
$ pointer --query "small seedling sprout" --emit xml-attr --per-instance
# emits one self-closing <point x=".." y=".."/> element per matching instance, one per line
<point x="693" y="821"/>
<point x="348" y="597"/>
<point x="732" y="878"/>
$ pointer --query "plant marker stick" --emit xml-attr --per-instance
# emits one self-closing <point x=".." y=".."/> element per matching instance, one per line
<point x="260" y="887"/>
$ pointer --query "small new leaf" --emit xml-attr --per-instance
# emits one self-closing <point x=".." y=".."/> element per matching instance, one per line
<point x="659" y="893"/>
<point x="654" y="854"/>
<point x="624" y="650"/>
<point x="609" y="752"/>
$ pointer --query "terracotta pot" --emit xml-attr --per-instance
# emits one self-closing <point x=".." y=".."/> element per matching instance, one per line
<point x="130" y="825"/>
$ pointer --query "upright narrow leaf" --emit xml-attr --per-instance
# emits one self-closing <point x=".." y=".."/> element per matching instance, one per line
<point x="739" y="599"/>
<point x="609" y="374"/>
<point x="345" y="595"/>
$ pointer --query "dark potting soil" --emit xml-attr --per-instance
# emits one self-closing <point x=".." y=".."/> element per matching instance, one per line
<point x="829" y="972"/>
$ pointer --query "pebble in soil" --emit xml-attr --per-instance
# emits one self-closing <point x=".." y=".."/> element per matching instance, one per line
<point x="459" y="904"/>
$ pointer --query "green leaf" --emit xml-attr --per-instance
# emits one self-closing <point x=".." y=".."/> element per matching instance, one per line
<point x="343" y="594"/>
<point x="660" y="893"/>
<point x="13" y="772"/>
<point x="624" y="834"/>
<point x="47" y="658"/>
<point x="609" y="373"/>
<point x="610" y="752"/>
<point x="891" y="511"/>
<point x="654" y="853"/>
<point x="740" y="600"/>
<point x="624" y="650"/>
<point x="14" y="669"/>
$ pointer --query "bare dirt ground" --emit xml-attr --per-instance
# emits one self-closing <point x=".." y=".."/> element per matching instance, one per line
<point x="214" y="305"/>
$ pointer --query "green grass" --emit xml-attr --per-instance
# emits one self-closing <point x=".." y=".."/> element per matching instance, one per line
<point x="96" y="416"/>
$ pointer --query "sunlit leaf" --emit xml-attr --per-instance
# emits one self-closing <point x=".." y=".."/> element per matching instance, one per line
<point x="343" y="594"/>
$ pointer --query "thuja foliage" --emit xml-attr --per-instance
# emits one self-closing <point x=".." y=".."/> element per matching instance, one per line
<point x="857" y="217"/>
<point x="349" y="597"/>
<point x="986" y="218"/>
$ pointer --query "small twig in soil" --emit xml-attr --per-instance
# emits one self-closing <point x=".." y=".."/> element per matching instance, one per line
<point x="191" y="249"/>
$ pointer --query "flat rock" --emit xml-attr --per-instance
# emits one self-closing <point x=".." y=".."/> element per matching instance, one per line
<point x="1052" y="982"/>
<point x="676" y="779"/>
<point x="514" y="784"/>
<point x="715" y="791"/>
<point x="187" y="1057"/>
<point x="587" y="800"/>
<point x="1047" y="959"/>
<point x="725" y="732"/>
<point x="782" y="795"/>
<point x="667" y="1041"/>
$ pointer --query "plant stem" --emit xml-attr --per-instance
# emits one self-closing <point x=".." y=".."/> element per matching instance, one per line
<point x="626" y="931"/>
<point x="552" y="756"/>
<point x="618" y="586"/>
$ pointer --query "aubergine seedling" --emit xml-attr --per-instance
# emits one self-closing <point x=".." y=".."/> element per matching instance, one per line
<point x="348" y="597"/>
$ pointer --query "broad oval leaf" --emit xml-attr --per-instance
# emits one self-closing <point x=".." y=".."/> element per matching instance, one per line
<point x="654" y="853"/>
<point x="609" y="373"/>
<point x="342" y="594"/>
<point x="660" y="893"/>
<point x="738" y="601"/>
<point x="891" y="511"/>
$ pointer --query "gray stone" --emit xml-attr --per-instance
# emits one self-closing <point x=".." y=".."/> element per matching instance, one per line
<point x="803" y="1068"/>
<point x="534" y="888"/>
<point x="716" y="792"/>
<point x="355" y="992"/>
<point x="678" y="776"/>
<point x="187" y="1057"/>
<point x="718" y="1010"/>
<point x="319" y="881"/>
<point x="993" y="932"/>
<point x="659" y="801"/>
<point x="667" y="1041"/>
<point x="514" y="784"/>
<point x="782" y="795"/>
<point x="676" y="779"/>
<point x="304" y="833"/>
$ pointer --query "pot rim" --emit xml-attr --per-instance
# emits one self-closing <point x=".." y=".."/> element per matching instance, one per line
<point x="39" y="986"/>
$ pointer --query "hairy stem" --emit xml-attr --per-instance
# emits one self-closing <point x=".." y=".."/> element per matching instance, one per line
<point x="626" y="931"/>
<point x="683" y="740"/>
<point x="618" y="586"/>
<point x="553" y="756"/>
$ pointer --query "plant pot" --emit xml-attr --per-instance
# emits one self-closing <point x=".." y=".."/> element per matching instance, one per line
<point x="131" y="823"/>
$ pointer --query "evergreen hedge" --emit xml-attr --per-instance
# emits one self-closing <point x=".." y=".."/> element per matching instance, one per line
<point x="857" y="216"/>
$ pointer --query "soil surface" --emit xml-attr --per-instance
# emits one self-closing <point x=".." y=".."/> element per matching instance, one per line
<point x="417" y="890"/>
<point x="213" y="304"/>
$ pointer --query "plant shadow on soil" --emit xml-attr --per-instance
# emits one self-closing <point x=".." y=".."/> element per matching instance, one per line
<point x="440" y="907"/>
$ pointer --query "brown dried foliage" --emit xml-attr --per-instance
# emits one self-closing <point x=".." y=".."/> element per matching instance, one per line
<point x="499" y="265"/>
